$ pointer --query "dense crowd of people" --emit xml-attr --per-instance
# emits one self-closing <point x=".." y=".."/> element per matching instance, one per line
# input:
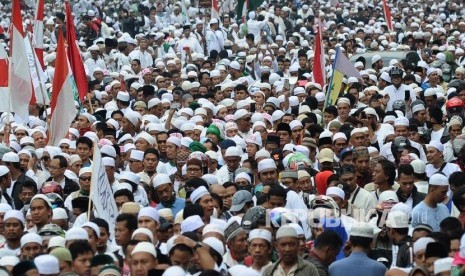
<point x="223" y="153"/>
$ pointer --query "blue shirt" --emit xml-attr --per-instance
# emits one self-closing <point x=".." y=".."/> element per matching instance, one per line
<point x="423" y="214"/>
<point x="358" y="264"/>
<point x="178" y="205"/>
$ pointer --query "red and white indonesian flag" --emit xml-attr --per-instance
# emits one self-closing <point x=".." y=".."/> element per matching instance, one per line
<point x="38" y="33"/>
<point x="319" y="60"/>
<point x="20" y="78"/>
<point x="4" y="93"/>
<point x="387" y="14"/>
<point x="215" y="9"/>
<point x="62" y="104"/>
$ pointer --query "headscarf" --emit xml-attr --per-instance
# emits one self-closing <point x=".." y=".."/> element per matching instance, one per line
<point x="215" y="131"/>
<point x="321" y="181"/>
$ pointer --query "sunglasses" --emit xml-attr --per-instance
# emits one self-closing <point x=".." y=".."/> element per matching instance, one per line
<point x="85" y="178"/>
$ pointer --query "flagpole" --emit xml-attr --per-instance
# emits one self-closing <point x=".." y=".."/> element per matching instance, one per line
<point x="91" y="184"/>
<point x="328" y="90"/>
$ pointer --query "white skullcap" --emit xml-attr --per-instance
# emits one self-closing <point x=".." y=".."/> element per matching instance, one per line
<point x="212" y="228"/>
<point x="57" y="241"/>
<point x="14" y="214"/>
<point x="233" y="152"/>
<point x="144" y="231"/>
<point x="339" y="135"/>
<point x="286" y="231"/>
<point x="47" y="264"/>
<point x="215" y="244"/>
<point x="133" y="117"/>
<point x="9" y="260"/>
<point x="192" y="223"/>
<point x="243" y="175"/>
<point x="31" y="238"/>
<point x="260" y="234"/>
<point x="438" y="179"/>
<point x="198" y="193"/>
<point x="335" y="191"/>
<point x="266" y="164"/>
<point x="402" y="121"/>
<point x="5" y="207"/>
<point x="137" y="155"/>
<point x="76" y="233"/>
<point x="174" y="140"/>
<point x="59" y="213"/>
<point x="161" y="179"/>
<point x="92" y="226"/>
<point x="421" y="244"/>
<point x="149" y="212"/>
<point x="43" y="197"/>
<point x="108" y="161"/>
<point x="145" y="247"/>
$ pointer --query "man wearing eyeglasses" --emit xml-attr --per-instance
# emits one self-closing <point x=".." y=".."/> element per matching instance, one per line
<point x="57" y="170"/>
<point x="242" y="119"/>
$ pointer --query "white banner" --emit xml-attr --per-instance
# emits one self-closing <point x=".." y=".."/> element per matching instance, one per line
<point x="38" y="76"/>
<point x="101" y="193"/>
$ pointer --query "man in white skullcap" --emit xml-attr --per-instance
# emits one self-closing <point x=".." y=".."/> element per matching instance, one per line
<point x="148" y="218"/>
<point x="143" y="258"/>
<point x="431" y="210"/>
<point x="41" y="212"/>
<point x="214" y="37"/>
<point x="142" y="54"/>
<point x="232" y="158"/>
<point x="287" y="244"/>
<point x="401" y="128"/>
<point x="95" y="61"/>
<point x="14" y="224"/>
<point x="260" y="247"/>
<point x="47" y="265"/>
<point x="165" y="193"/>
<point x="5" y="183"/>
<point x="361" y="237"/>
<point x="31" y="245"/>
<point x="436" y="162"/>
<point x="397" y="91"/>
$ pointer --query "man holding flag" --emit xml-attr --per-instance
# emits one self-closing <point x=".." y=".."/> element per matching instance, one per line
<point x="341" y="67"/>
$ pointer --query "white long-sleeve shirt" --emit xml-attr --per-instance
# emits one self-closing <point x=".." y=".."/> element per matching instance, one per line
<point x="215" y="41"/>
<point x="146" y="59"/>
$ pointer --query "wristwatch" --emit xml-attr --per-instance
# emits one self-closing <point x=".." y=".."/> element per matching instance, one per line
<point x="197" y="245"/>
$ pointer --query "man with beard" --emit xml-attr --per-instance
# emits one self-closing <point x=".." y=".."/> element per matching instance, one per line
<point x="380" y="130"/>
<point x="161" y="141"/>
<point x="165" y="195"/>
<point x="397" y="90"/>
